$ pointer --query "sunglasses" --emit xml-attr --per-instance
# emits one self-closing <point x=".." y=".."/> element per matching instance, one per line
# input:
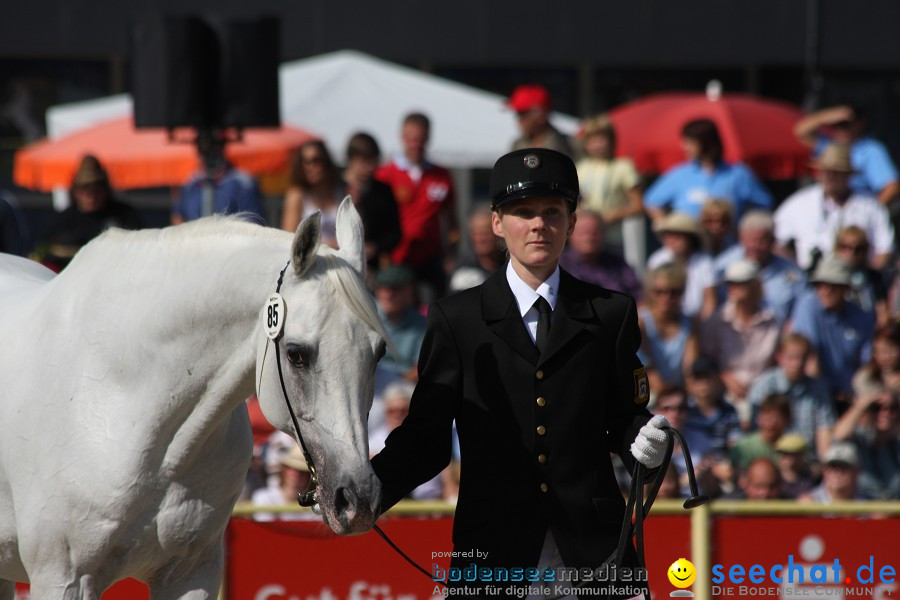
<point x="668" y="291"/>
<point x="855" y="248"/>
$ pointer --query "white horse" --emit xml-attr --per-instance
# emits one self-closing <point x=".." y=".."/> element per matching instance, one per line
<point x="124" y="439"/>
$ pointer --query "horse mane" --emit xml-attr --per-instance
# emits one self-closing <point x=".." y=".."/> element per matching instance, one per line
<point x="349" y="287"/>
<point x="344" y="280"/>
<point x="239" y="225"/>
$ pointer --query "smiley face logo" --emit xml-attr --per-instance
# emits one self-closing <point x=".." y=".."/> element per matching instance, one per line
<point x="682" y="573"/>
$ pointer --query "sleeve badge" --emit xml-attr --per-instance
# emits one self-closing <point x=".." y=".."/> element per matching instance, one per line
<point x="641" y="386"/>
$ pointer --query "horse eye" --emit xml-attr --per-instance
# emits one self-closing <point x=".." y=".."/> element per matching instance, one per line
<point x="296" y="356"/>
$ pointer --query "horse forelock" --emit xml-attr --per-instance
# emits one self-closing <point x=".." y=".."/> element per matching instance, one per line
<point x="350" y="288"/>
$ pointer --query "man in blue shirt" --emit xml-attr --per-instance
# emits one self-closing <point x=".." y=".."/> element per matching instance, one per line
<point x="840" y="331"/>
<point x="685" y="187"/>
<point x="232" y="191"/>
<point x="712" y="424"/>
<point x="395" y="295"/>
<point x="812" y="410"/>
<point x="844" y="124"/>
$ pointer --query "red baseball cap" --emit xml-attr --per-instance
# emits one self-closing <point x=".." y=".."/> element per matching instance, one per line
<point x="528" y="97"/>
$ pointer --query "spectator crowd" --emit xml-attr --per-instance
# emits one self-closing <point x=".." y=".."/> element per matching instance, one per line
<point x="771" y="330"/>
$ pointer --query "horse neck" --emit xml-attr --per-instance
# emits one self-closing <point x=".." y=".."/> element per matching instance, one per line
<point x="194" y="309"/>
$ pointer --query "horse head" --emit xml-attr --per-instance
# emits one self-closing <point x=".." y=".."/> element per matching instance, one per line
<point x="330" y="340"/>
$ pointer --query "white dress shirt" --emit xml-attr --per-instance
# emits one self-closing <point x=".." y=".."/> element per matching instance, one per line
<point x="525" y="296"/>
<point x="812" y="221"/>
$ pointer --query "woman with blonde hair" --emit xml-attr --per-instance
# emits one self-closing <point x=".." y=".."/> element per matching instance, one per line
<point x="609" y="185"/>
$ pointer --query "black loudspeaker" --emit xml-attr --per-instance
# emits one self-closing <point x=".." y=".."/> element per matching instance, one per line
<point x="248" y="73"/>
<point x="205" y="73"/>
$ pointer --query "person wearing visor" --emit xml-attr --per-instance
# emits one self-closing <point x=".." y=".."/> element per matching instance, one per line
<point x="540" y="372"/>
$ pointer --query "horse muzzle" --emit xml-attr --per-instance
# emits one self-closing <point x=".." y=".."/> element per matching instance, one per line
<point x="353" y="506"/>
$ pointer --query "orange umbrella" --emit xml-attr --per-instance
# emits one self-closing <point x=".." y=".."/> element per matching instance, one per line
<point x="138" y="158"/>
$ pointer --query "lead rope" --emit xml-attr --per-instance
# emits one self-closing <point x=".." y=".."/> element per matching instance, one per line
<point x="405" y="556"/>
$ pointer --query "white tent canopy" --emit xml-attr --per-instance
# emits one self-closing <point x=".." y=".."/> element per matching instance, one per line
<point x="64" y="119"/>
<point x="341" y="93"/>
<point x="338" y="94"/>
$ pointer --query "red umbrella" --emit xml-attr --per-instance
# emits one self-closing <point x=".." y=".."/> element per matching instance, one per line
<point x="136" y="158"/>
<point x="754" y="130"/>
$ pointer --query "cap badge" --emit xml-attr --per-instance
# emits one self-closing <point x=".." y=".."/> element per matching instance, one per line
<point x="532" y="161"/>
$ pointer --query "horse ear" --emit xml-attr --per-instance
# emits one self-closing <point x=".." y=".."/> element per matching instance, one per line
<point x="350" y="236"/>
<point x="306" y="243"/>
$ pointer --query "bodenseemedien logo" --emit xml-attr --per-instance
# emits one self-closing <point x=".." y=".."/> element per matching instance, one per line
<point x="682" y="574"/>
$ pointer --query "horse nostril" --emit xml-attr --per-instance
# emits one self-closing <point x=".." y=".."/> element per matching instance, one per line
<point x="344" y="500"/>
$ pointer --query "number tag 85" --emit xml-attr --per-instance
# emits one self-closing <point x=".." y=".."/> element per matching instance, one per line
<point x="273" y="315"/>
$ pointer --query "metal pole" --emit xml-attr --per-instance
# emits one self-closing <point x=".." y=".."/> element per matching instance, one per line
<point x="701" y="532"/>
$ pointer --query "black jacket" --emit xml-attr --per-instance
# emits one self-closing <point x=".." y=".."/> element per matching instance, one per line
<point x="479" y="366"/>
<point x="381" y="221"/>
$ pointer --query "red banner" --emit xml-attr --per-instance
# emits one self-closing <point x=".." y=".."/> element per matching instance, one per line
<point x="304" y="560"/>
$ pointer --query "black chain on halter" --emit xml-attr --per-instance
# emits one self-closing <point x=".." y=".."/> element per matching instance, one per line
<point x="308" y="497"/>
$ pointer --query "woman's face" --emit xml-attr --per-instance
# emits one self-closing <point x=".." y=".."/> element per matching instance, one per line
<point x="679" y="243"/>
<point x="587" y="238"/>
<point x="691" y="148"/>
<point x="363" y="167"/>
<point x="852" y="249"/>
<point x="886" y="355"/>
<point x="716" y="222"/>
<point x="534" y="229"/>
<point x="90" y="198"/>
<point x="887" y="413"/>
<point x="666" y="295"/>
<point x="481" y="234"/>
<point x="597" y="146"/>
<point x="313" y="163"/>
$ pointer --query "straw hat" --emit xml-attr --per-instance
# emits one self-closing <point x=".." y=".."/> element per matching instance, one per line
<point x="741" y="271"/>
<point x="791" y="443"/>
<point x="835" y="157"/>
<point x="678" y="223"/>
<point x="841" y="452"/>
<point x="832" y="270"/>
<point x="294" y="459"/>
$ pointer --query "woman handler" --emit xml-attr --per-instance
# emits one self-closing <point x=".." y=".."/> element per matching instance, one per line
<point x="540" y="372"/>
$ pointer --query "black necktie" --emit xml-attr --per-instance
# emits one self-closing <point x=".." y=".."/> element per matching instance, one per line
<point x="543" y="324"/>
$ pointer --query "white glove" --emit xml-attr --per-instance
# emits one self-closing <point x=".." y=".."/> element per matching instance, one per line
<point x="649" y="446"/>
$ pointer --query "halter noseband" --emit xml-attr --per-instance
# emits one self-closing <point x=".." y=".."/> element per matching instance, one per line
<point x="308" y="497"/>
